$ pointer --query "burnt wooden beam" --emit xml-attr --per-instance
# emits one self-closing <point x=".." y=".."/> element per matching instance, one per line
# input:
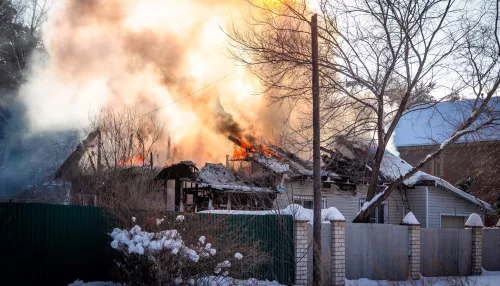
<point x="234" y="140"/>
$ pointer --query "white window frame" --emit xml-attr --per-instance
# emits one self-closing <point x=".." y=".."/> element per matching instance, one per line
<point x="302" y="199"/>
<point x="386" y="210"/>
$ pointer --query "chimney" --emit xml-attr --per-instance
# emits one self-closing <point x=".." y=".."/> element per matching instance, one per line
<point x="227" y="162"/>
<point x="168" y="148"/>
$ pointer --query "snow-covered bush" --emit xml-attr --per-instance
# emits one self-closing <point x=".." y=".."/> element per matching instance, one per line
<point x="167" y="258"/>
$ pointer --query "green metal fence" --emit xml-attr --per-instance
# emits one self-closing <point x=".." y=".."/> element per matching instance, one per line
<point x="55" y="244"/>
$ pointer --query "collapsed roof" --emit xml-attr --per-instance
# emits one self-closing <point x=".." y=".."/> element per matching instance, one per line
<point x="215" y="176"/>
<point x="280" y="161"/>
<point x="218" y="177"/>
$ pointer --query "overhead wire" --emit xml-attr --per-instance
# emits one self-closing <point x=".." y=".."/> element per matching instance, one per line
<point x="142" y="115"/>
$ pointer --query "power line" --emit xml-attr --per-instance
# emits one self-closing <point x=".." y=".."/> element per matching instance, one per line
<point x="147" y="113"/>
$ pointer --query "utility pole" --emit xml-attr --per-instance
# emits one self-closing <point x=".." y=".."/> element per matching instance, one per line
<point x="316" y="156"/>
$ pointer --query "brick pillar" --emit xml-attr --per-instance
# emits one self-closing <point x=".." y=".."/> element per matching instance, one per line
<point x="414" y="259"/>
<point x="414" y="245"/>
<point x="477" y="250"/>
<point x="338" y="252"/>
<point x="476" y="224"/>
<point x="300" y="239"/>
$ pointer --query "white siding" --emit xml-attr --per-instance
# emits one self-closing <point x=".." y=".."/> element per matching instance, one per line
<point x="344" y="201"/>
<point x="396" y="207"/>
<point x="443" y="202"/>
<point x="417" y="203"/>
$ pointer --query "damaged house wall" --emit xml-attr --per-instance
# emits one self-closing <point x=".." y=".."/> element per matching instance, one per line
<point x="345" y="171"/>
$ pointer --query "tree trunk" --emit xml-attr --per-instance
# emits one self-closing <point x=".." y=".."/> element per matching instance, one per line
<point x="373" y="184"/>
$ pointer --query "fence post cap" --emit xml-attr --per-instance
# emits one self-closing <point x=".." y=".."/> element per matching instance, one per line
<point x="333" y="214"/>
<point x="410" y="219"/>
<point x="474" y="221"/>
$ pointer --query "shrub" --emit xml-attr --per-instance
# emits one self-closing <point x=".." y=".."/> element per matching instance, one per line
<point x="166" y="258"/>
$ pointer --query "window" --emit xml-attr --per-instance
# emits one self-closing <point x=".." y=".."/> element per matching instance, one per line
<point x="380" y="214"/>
<point x="308" y="201"/>
<point x="449" y="221"/>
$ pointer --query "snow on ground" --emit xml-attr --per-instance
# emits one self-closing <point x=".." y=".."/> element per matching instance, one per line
<point x="97" y="283"/>
<point x="297" y="211"/>
<point x="209" y="281"/>
<point x="223" y="281"/>
<point x="487" y="278"/>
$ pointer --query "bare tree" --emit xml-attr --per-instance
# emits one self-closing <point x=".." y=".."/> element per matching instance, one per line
<point x="20" y="25"/>
<point x="112" y="170"/>
<point x="379" y="60"/>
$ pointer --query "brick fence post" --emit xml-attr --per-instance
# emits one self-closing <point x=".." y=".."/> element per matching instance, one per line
<point x="338" y="252"/>
<point x="414" y="245"/>
<point x="301" y="244"/>
<point x="476" y="224"/>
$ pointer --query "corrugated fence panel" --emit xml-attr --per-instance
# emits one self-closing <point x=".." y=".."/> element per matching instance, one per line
<point x="55" y="244"/>
<point x="273" y="234"/>
<point x="491" y="249"/>
<point x="41" y="243"/>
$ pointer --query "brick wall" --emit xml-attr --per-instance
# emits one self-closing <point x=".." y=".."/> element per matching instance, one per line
<point x="478" y="160"/>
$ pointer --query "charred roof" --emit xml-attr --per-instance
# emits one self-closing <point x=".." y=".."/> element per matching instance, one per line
<point x="182" y="170"/>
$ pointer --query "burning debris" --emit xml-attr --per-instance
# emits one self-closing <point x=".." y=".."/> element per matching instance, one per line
<point x="274" y="158"/>
<point x="211" y="187"/>
<point x="218" y="177"/>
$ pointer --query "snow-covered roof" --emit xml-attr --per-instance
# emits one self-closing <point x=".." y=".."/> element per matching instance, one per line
<point x="393" y="167"/>
<point x="287" y="163"/>
<point x="218" y="177"/>
<point x="434" y="124"/>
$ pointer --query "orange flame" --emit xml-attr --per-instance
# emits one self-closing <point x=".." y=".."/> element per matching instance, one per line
<point x="246" y="150"/>
<point x="137" y="161"/>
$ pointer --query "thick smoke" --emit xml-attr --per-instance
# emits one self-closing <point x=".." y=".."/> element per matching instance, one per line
<point x="146" y="55"/>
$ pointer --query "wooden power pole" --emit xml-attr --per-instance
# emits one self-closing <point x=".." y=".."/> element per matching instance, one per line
<point x="316" y="156"/>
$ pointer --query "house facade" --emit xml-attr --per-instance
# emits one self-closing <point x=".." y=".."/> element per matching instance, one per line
<point x="433" y="206"/>
<point x="474" y="158"/>
<point x="479" y="161"/>
<point x="435" y="202"/>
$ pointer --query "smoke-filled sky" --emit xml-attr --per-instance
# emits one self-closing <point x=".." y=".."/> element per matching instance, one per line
<point x="145" y="55"/>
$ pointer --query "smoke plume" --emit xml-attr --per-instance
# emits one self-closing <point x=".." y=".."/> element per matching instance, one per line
<point x="148" y="55"/>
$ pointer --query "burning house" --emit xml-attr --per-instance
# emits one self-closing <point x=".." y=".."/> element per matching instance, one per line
<point x="130" y="183"/>
<point x="212" y="187"/>
<point x="345" y="174"/>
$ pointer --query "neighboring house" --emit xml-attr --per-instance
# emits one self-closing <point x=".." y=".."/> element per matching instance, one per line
<point x="435" y="202"/>
<point x="475" y="157"/>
